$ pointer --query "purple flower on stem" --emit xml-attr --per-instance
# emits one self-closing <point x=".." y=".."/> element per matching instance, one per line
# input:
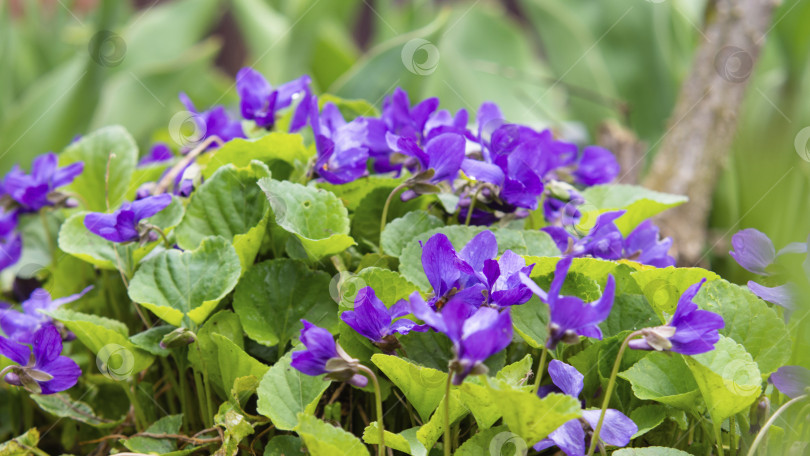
<point x="443" y="154"/>
<point x="596" y="166"/>
<point x="448" y="272"/>
<point x="617" y="428"/>
<point x="21" y="326"/>
<point x="324" y="356"/>
<point x="792" y="381"/>
<point x="43" y="370"/>
<point x="377" y="323"/>
<point x="10" y="239"/>
<point x="127" y="223"/>
<point x="476" y="333"/>
<point x="504" y="286"/>
<point x="572" y="317"/>
<point x="159" y="153"/>
<point x="34" y="191"/>
<point x="645" y="245"/>
<point x="260" y="101"/>
<point x="213" y="122"/>
<point x="691" y="331"/>
<point x="753" y="250"/>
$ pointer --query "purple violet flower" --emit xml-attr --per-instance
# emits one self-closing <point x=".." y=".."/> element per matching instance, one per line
<point x="442" y="153"/>
<point x="617" y="428"/>
<point x="324" y="356"/>
<point x="792" y="381"/>
<point x="214" y="122"/>
<point x="645" y="245"/>
<point x="691" y="331"/>
<point x="596" y="166"/>
<point x="43" y="370"/>
<point x="127" y="223"/>
<point x="21" y="326"/>
<point x="260" y="101"/>
<point x="10" y="240"/>
<point x="572" y="317"/>
<point x="753" y="250"/>
<point x="34" y="191"/>
<point x="377" y="323"/>
<point x="448" y="272"/>
<point x="159" y="153"/>
<point x="476" y="333"/>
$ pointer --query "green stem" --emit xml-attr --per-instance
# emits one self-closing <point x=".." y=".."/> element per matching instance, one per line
<point x="771" y="420"/>
<point x="718" y="436"/>
<point x="205" y="414"/>
<point x="732" y="435"/>
<point x="378" y="399"/>
<point x="542" y="364"/>
<point x="472" y="206"/>
<point x="609" y="392"/>
<point x="140" y="420"/>
<point x="384" y="218"/>
<point x="448" y="442"/>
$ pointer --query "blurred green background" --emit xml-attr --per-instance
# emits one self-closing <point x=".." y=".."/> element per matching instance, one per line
<point x="68" y="67"/>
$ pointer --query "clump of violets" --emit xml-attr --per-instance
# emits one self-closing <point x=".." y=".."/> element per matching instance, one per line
<point x="128" y="224"/>
<point x="604" y="240"/>
<point x="22" y="326"/>
<point x="571" y="438"/>
<point x="323" y="355"/>
<point x="10" y="240"/>
<point x="379" y="324"/>
<point x="571" y="317"/>
<point x="32" y="192"/>
<point x="691" y="331"/>
<point x="40" y="368"/>
<point x="754" y="251"/>
<point x="476" y="332"/>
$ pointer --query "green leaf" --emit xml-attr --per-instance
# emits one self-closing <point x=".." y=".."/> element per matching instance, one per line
<point x="204" y="353"/>
<point x="323" y="439"/>
<point x="527" y="243"/>
<point x="750" y="322"/>
<point x="497" y="441"/>
<point x="400" y="231"/>
<point x="95" y="150"/>
<point x="22" y="445"/>
<point x="234" y="362"/>
<point x="530" y="321"/>
<point x="664" y="286"/>
<point x="650" y="451"/>
<point x="368" y="215"/>
<point x="639" y="202"/>
<point x="728" y="379"/>
<point x="150" y="339"/>
<point x="315" y="217"/>
<point x="167" y="425"/>
<point x="352" y="193"/>
<point x="648" y="417"/>
<point x="273" y="149"/>
<point x="235" y="428"/>
<point x="108" y="340"/>
<point x="531" y="417"/>
<point x="177" y="286"/>
<point x="274" y="295"/>
<point x="230" y="205"/>
<point x="429" y="434"/>
<point x="476" y="396"/>
<point x="285" y="394"/>
<point x="64" y="406"/>
<point x="423" y="386"/>
<point x="284" y="445"/>
<point x="77" y="240"/>
<point x="388" y="285"/>
<point x="664" y="378"/>
<point x="371" y="435"/>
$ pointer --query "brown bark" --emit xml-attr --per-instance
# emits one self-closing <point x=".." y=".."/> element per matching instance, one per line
<point x="704" y="121"/>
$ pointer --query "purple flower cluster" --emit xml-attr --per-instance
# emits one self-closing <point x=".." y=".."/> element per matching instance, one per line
<point x="604" y="240"/>
<point x="127" y="223"/>
<point x="33" y="341"/>
<point x="754" y="251"/>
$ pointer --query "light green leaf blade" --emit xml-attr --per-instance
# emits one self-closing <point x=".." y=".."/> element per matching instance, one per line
<point x="230" y="205"/>
<point x="388" y="285"/>
<point x="285" y="394"/>
<point x="234" y="362"/>
<point x="323" y="439"/>
<point x="109" y="144"/>
<point x="64" y="406"/>
<point x="274" y="295"/>
<point x="664" y="286"/>
<point x="429" y="434"/>
<point x="648" y="417"/>
<point x="663" y="378"/>
<point x="167" y="425"/>
<point x="276" y="150"/>
<point x="352" y="193"/>
<point x="400" y="231"/>
<point x="498" y="441"/>
<point x="531" y="417"/>
<point x="476" y="396"/>
<point x="315" y="217"/>
<point x="204" y="353"/>
<point x="423" y="386"/>
<point x="178" y="285"/>
<point x="639" y="202"/>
